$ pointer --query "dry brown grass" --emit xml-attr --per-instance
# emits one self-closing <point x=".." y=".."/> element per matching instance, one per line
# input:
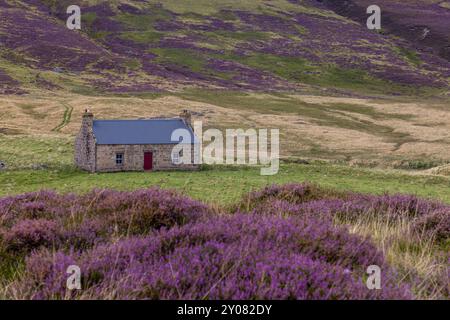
<point x="414" y="257"/>
<point x="390" y="131"/>
<point x="441" y="170"/>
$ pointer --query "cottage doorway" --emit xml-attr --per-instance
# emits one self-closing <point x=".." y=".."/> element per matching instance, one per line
<point x="148" y="161"/>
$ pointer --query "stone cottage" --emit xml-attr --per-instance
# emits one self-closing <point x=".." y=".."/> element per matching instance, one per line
<point x="130" y="145"/>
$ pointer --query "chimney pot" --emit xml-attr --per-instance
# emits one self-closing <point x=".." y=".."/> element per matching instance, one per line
<point x="187" y="117"/>
<point x="88" y="118"/>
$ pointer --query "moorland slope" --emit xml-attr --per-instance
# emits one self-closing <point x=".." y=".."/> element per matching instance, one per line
<point x="151" y="46"/>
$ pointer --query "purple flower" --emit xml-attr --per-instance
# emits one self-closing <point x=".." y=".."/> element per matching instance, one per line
<point x="28" y="235"/>
<point x="228" y="257"/>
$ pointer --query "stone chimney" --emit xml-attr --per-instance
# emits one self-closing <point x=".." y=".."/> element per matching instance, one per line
<point x="88" y="119"/>
<point x="85" y="144"/>
<point x="186" y="116"/>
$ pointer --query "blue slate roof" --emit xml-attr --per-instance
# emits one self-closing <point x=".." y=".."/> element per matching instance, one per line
<point x="149" y="131"/>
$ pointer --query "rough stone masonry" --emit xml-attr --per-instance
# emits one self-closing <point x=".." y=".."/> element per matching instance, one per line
<point x="121" y="145"/>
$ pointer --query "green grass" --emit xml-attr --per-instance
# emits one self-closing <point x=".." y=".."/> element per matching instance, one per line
<point x="23" y="151"/>
<point x="213" y="7"/>
<point x="239" y="35"/>
<point x="409" y="55"/>
<point x="225" y="185"/>
<point x="133" y="64"/>
<point x="142" y="36"/>
<point x="66" y="118"/>
<point x="181" y="57"/>
<point x="210" y="7"/>
<point x="29" y="109"/>
<point x="143" y="22"/>
<point x="89" y="18"/>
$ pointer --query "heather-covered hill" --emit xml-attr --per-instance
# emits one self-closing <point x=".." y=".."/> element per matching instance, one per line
<point x="151" y="46"/>
<point x="425" y="23"/>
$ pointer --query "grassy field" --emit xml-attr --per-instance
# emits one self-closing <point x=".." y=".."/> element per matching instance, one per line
<point x="225" y="185"/>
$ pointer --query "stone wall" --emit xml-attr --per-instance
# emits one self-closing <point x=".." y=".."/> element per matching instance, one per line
<point x="85" y="145"/>
<point x="133" y="158"/>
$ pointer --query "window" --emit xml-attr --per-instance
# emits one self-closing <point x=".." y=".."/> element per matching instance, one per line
<point x="119" y="159"/>
<point x="176" y="157"/>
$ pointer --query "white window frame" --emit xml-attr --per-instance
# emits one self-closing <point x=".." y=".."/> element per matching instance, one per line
<point x="176" y="157"/>
<point x="122" y="158"/>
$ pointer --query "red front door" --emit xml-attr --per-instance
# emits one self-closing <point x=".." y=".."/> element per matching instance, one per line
<point x="148" y="161"/>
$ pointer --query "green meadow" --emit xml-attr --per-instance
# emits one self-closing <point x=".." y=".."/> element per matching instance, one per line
<point x="224" y="185"/>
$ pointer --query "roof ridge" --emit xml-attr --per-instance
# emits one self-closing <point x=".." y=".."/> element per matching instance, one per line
<point x="150" y="119"/>
<point x="138" y="131"/>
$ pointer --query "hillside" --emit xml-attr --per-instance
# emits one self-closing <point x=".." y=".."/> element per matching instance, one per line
<point x="424" y="23"/>
<point x="279" y="45"/>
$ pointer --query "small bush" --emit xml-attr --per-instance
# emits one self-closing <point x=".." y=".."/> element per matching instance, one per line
<point x="435" y="224"/>
<point x="293" y="193"/>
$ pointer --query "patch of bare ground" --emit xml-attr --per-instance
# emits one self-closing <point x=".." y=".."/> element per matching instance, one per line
<point x="443" y="170"/>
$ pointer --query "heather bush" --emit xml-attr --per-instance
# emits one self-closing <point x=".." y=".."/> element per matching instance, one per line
<point x="394" y="206"/>
<point x="293" y="193"/>
<point x="140" y="211"/>
<point x="35" y="205"/>
<point x="92" y="218"/>
<point x="323" y="209"/>
<point x="429" y="218"/>
<point x="228" y="257"/>
<point x="305" y="199"/>
<point x="426" y="223"/>
<point x="28" y="235"/>
<point x="281" y="243"/>
<point x="350" y="204"/>
<point x="89" y="232"/>
<point x="436" y="225"/>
